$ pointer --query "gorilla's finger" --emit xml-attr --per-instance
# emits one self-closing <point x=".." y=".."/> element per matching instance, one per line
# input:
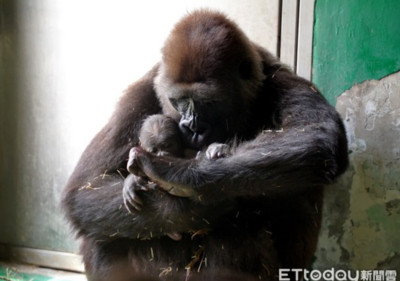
<point x="182" y="192"/>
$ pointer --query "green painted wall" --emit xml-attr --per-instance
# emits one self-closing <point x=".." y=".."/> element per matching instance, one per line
<point x="356" y="65"/>
<point x="354" y="40"/>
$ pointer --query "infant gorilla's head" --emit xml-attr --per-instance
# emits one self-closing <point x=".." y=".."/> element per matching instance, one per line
<point x="160" y="135"/>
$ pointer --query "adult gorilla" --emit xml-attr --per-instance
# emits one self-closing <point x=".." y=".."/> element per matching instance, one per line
<point x="251" y="211"/>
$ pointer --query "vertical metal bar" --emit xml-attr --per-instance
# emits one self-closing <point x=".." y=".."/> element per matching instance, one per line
<point x="289" y="21"/>
<point x="305" y="38"/>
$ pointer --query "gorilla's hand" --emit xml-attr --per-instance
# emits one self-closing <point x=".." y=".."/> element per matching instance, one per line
<point x="217" y="150"/>
<point x="132" y="186"/>
<point x="140" y="165"/>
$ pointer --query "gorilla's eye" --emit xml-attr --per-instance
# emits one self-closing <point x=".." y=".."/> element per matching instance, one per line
<point x="174" y="102"/>
<point x="182" y="105"/>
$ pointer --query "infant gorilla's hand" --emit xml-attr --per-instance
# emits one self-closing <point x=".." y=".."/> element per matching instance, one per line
<point x="132" y="185"/>
<point x="217" y="150"/>
<point x="143" y="165"/>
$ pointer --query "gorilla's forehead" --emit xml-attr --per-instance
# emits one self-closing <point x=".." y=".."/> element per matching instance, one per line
<point x="202" y="46"/>
<point x="208" y="90"/>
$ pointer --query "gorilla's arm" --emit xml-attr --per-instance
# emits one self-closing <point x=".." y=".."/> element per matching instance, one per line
<point x="93" y="195"/>
<point x="309" y="149"/>
<point x="93" y="198"/>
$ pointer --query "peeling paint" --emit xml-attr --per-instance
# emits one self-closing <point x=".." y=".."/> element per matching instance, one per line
<point x="361" y="223"/>
<point x="354" y="41"/>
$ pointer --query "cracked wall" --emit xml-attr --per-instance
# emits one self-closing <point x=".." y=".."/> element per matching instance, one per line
<point x="361" y="223"/>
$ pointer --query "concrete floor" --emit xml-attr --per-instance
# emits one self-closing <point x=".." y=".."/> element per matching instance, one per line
<point x="23" y="272"/>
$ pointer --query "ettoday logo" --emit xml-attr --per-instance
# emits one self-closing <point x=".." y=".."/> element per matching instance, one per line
<point x="336" y="275"/>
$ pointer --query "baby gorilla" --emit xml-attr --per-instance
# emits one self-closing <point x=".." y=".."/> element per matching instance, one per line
<point x="160" y="135"/>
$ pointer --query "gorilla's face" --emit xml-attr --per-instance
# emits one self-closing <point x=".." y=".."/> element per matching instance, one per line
<point x="205" y="111"/>
<point x="201" y="122"/>
<point x="206" y="80"/>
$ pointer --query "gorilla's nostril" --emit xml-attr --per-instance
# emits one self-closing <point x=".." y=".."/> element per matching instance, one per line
<point x="195" y="134"/>
<point x="186" y="128"/>
<point x="197" y="128"/>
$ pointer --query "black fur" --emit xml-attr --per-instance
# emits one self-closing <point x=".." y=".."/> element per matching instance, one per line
<point x="255" y="210"/>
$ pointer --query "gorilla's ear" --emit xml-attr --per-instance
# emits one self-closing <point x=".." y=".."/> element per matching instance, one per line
<point x="246" y="69"/>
